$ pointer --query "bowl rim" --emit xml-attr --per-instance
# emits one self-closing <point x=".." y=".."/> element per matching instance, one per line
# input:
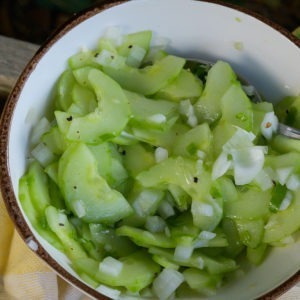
<point x="6" y="186"/>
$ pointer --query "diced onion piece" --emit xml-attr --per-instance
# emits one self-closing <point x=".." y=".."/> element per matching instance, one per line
<point x="108" y="291"/>
<point x="283" y="174"/>
<point x="183" y="252"/>
<point x="166" y="283"/>
<point x="192" y="120"/>
<point x="39" y="129"/>
<point x="135" y="56"/>
<point x="160" y="154"/>
<point x="247" y="162"/>
<point x="107" y="58"/>
<point x="111" y="266"/>
<point x="166" y="210"/>
<point x="285" y="203"/>
<point x="155" y="224"/>
<point x="221" y="165"/>
<point x="157" y="119"/>
<point x="240" y="139"/>
<point x="269" y="125"/>
<point x="79" y="209"/>
<point x="207" y="235"/>
<point x="202" y="209"/>
<point x="263" y="180"/>
<point x="147" y="202"/>
<point x="293" y="182"/>
<point x="43" y="154"/>
<point x="187" y="109"/>
<point x="201" y="154"/>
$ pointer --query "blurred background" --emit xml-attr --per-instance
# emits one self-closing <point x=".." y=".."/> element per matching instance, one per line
<point x="35" y="20"/>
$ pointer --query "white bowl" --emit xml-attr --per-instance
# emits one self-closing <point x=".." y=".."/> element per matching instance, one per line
<point x="268" y="56"/>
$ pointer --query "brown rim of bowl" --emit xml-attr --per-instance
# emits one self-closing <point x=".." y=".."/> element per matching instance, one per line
<point x="6" y="184"/>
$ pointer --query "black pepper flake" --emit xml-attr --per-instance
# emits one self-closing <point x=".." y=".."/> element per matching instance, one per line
<point x="74" y="187"/>
<point x="130" y="46"/>
<point x="77" y="131"/>
<point x="70" y="118"/>
<point x="112" y="57"/>
<point x="96" y="54"/>
<point x="195" y="179"/>
<point x="123" y="152"/>
<point x="61" y="224"/>
<point x="274" y="182"/>
<point x="287" y="111"/>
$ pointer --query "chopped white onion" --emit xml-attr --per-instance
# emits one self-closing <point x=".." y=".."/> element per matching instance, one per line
<point x="293" y="182"/>
<point x="192" y="120"/>
<point x="283" y="174"/>
<point x="221" y="165"/>
<point x="155" y="224"/>
<point x="157" y="118"/>
<point x="166" y="283"/>
<point x="201" y="154"/>
<point x="147" y="202"/>
<point x="247" y="162"/>
<point x="207" y="235"/>
<point x="79" y="208"/>
<point x="263" y="180"/>
<point x="108" y="291"/>
<point x="160" y="154"/>
<point x="108" y="58"/>
<point x="285" y="203"/>
<point x="183" y="253"/>
<point x="111" y="266"/>
<point x="39" y="129"/>
<point x="166" y="210"/>
<point x="135" y="56"/>
<point x="240" y="139"/>
<point x="43" y="154"/>
<point x="202" y="209"/>
<point x="186" y="108"/>
<point x="269" y="125"/>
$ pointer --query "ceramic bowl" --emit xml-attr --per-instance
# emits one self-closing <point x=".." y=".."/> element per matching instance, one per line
<point x="258" y="50"/>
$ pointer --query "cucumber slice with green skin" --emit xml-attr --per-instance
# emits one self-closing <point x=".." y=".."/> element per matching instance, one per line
<point x="36" y="218"/>
<point x="55" y="140"/>
<point x="201" y="281"/>
<point x="283" y="223"/>
<point x="148" y="80"/>
<point x="185" y="86"/>
<point x="146" y="238"/>
<point x="63" y="98"/>
<point x="141" y="39"/>
<point x="251" y="232"/>
<point x="110" y="164"/>
<point x="219" y="79"/>
<point x="251" y="204"/>
<point x="138" y="158"/>
<point x="60" y="225"/>
<point x="98" y="126"/>
<point x="236" y="107"/>
<point x="38" y="187"/>
<point x="86" y="193"/>
<point x="197" y="139"/>
<point x="256" y="255"/>
<point x="138" y="271"/>
<point x="149" y="113"/>
<point x="198" y="260"/>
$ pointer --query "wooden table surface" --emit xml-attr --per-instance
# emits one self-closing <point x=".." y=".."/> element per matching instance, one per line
<point x="14" y="55"/>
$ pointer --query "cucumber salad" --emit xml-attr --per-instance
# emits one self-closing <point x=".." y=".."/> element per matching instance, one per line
<point x="156" y="178"/>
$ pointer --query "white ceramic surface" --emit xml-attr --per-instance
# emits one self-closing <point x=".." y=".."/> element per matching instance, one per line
<point x="264" y="56"/>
